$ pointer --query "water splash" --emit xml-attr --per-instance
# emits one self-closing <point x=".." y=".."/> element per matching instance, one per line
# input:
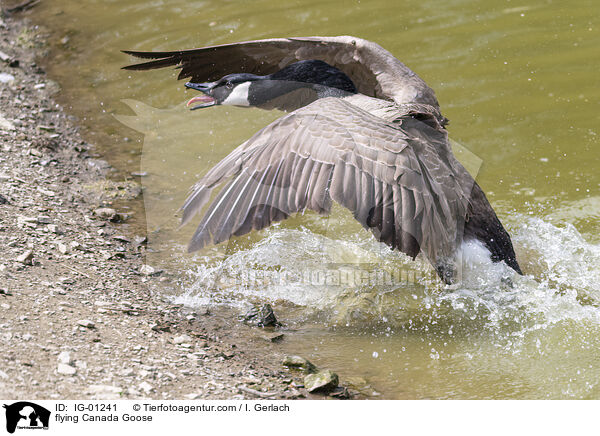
<point x="532" y="336"/>
<point x="301" y="269"/>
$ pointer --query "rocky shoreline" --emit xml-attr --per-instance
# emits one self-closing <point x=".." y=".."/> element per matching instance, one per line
<point x="80" y="313"/>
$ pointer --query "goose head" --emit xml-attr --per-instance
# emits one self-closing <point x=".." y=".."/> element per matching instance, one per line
<point x="244" y="89"/>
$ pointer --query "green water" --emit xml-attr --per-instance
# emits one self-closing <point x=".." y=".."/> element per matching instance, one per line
<point x="519" y="82"/>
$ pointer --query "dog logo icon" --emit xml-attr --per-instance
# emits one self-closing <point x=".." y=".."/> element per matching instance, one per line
<point x="26" y="415"/>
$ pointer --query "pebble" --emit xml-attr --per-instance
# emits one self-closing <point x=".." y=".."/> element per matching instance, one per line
<point x="356" y="382"/>
<point x="160" y="327"/>
<point x="42" y="219"/>
<point x="47" y="192"/>
<point x="26" y="219"/>
<point x="4" y="376"/>
<point x="146" y="270"/>
<point x="5" y="124"/>
<point x="274" y="337"/>
<point x="26" y="258"/>
<point x="127" y="372"/>
<point x="105" y="212"/>
<point x="86" y="323"/>
<point x="340" y="392"/>
<point x="64" y="249"/>
<point x="65" y="357"/>
<point x="182" y="339"/>
<point x="65" y="369"/>
<point x="140" y="240"/>
<point x="146" y="387"/>
<point x="6" y="78"/>
<point x="121" y="238"/>
<point x="300" y="363"/>
<point x="105" y="392"/>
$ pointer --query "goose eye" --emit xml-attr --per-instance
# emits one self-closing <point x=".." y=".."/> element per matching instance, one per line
<point x="229" y="85"/>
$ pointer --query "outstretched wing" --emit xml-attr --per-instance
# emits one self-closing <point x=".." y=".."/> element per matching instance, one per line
<point x="374" y="70"/>
<point x="396" y="185"/>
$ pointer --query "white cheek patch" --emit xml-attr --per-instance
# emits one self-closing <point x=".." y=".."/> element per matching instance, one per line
<point x="239" y="95"/>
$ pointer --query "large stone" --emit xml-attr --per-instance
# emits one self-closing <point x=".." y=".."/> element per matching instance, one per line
<point x="262" y="317"/>
<point x="266" y="316"/>
<point x="321" y="382"/>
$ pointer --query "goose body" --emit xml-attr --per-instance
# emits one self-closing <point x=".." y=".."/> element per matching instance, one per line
<point x="362" y="129"/>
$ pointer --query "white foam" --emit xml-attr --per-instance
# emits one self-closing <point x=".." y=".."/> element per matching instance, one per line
<point x="567" y="271"/>
<point x="475" y="252"/>
<point x="476" y="268"/>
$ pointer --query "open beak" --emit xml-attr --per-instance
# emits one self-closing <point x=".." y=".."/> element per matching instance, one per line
<point x="204" y="100"/>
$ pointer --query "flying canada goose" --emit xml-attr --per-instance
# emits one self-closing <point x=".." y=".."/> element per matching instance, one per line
<point x="362" y="130"/>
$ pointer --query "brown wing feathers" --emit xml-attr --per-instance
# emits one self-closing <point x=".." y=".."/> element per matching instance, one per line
<point x="306" y="160"/>
<point x="375" y="71"/>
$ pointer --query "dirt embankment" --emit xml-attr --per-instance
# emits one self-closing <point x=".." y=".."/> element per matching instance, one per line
<point x="80" y="315"/>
